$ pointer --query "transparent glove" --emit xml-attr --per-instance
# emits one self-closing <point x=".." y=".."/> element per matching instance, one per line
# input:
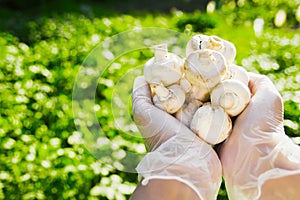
<point x="176" y="152"/>
<point x="259" y="161"/>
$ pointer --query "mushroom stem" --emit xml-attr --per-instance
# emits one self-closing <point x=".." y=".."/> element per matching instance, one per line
<point x="173" y="102"/>
<point x="232" y="95"/>
<point x="161" y="91"/>
<point x="227" y="100"/>
<point x="216" y="43"/>
<point x="160" y="52"/>
<point x="185" y="85"/>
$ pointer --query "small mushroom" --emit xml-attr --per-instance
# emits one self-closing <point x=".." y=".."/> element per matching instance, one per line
<point x="163" y="72"/>
<point x="232" y="95"/>
<point x="205" y="68"/>
<point x="200" y="42"/>
<point x="223" y="46"/>
<point x="172" y="102"/>
<point x="187" y="111"/>
<point x="197" y="42"/>
<point x="212" y="124"/>
<point x="236" y="72"/>
<point x="164" y="68"/>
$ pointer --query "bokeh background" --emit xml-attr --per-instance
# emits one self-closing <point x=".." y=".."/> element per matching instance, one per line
<point x="42" y="47"/>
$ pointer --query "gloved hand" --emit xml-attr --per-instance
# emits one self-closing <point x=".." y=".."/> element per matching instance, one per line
<point x="258" y="159"/>
<point x="175" y="151"/>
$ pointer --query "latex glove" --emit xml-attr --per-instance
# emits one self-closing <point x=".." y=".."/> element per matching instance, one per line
<point x="176" y="152"/>
<point x="258" y="159"/>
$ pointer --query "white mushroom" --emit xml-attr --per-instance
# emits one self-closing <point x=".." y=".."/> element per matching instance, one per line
<point x="187" y="111"/>
<point x="236" y="72"/>
<point x="172" y="102"/>
<point x="227" y="49"/>
<point x="197" y="42"/>
<point x="207" y="75"/>
<point x="232" y="95"/>
<point x="212" y="124"/>
<point x="163" y="72"/>
<point x="200" y="42"/>
<point x="164" y="68"/>
<point x="205" y="68"/>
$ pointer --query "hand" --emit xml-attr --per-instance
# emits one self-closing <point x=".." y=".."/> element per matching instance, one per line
<point x="258" y="151"/>
<point x="177" y="153"/>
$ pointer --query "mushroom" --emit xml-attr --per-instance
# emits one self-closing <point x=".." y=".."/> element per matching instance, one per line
<point x="232" y="95"/>
<point x="187" y="111"/>
<point x="163" y="72"/>
<point x="205" y="69"/>
<point x="211" y="123"/>
<point x="197" y="42"/>
<point x="200" y="42"/>
<point x="203" y="91"/>
<point x="236" y="72"/>
<point x="173" y="101"/>
<point x="164" y="68"/>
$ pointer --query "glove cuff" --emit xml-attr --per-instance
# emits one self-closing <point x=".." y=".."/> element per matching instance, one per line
<point x="190" y="161"/>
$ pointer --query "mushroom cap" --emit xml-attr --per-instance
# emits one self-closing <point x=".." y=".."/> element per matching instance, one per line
<point x="205" y="68"/>
<point x="236" y="72"/>
<point x="229" y="51"/>
<point x="167" y="71"/>
<point x="212" y="124"/>
<point x="174" y="102"/>
<point x="232" y="95"/>
<point x="200" y="42"/>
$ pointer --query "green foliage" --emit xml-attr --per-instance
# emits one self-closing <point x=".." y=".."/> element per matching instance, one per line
<point x="198" y="22"/>
<point x="245" y="10"/>
<point x="42" y="153"/>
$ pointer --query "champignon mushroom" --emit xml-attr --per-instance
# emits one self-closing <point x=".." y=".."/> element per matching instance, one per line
<point x="200" y="42"/>
<point x="164" y="68"/>
<point x="163" y="72"/>
<point x="207" y="75"/>
<point x="232" y="95"/>
<point x="174" y="100"/>
<point x="212" y="124"/>
<point x="236" y="72"/>
<point x="197" y="42"/>
<point x="205" y="68"/>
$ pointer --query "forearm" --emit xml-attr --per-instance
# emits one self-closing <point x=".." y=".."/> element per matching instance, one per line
<point x="164" y="189"/>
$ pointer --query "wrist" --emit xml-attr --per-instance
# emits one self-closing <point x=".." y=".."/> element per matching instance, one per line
<point x="189" y="161"/>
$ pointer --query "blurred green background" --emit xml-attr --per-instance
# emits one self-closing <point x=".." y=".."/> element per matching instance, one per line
<point x="42" y="47"/>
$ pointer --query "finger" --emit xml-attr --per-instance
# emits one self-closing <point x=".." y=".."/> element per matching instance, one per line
<point x="261" y="84"/>
<point x="266" y="104"/>
<point x="142" y="105"/>
<point x="141" y="90"/>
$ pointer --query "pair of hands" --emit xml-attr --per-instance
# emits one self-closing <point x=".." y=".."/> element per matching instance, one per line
<point x="256" y="152"/>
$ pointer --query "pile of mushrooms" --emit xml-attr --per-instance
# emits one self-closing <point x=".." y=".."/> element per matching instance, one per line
<point x="205" y="90"/>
